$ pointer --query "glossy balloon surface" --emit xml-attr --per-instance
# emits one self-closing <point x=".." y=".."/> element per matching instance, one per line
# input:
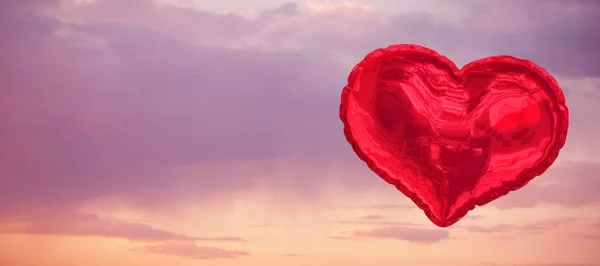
<point x="451" y="139"/>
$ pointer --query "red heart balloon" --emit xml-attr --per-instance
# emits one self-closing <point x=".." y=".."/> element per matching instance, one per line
<point x="451" y="139"/>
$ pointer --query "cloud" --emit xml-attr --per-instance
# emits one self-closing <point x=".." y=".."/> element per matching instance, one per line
<point x="570" y="184"/>
<point x="66" y="223"/>
<point x="561" y="36"/>
<point x="192" y="251"/>
<point x="482" y="27"/>
<point x="542" y="226"/>
<point x="220" y="239"/>
<point x="119" y="119"/>
<point x="375" y="222"/>
<point x="490" y="229"/>
<point x="377" y="207"/>
<point x="132" y="112"/>
<point x="414" y="235"/>
<point x="474" y="217"/>
<point x="371" y="217"/>
<point x="178" y="21"/>
<point x="565" y="227"/>
<point x="590" y="236"/>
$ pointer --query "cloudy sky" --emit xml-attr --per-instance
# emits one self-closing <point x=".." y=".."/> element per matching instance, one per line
<point x="206" y="132"/>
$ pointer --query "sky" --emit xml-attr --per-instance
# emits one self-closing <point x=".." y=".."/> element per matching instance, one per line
<point x="206" y="132"/>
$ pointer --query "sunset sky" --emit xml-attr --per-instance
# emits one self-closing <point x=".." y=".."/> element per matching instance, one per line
<point x="206" y="132"/>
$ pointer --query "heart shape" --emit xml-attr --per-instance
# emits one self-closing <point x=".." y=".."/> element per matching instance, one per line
<point x="451" y="139"/>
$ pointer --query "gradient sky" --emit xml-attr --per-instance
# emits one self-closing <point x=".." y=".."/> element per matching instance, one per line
<point x="205" y="132"/>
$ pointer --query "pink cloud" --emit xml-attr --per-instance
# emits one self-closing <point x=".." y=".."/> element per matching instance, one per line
<point x="573" y="184"/>
<point x="414" y="235"/>
<point x="108" y="106"/>
<point x="190" y="250"/>
<point x="377" y="207"/>
<point x="371" y="217"/>
<point x="175" y="20"/>
<point x="66" y="223"/>
<point x="107" y="122"/>
<point x="474" y="217"/>
<point x="220" y="239"/>
<point x="542" y="226"/>
<point x="375" y="222"/>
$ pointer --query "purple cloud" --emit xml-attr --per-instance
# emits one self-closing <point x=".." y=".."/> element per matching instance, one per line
<point x="112" y="105"/>
<point x="110" y="121"/>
